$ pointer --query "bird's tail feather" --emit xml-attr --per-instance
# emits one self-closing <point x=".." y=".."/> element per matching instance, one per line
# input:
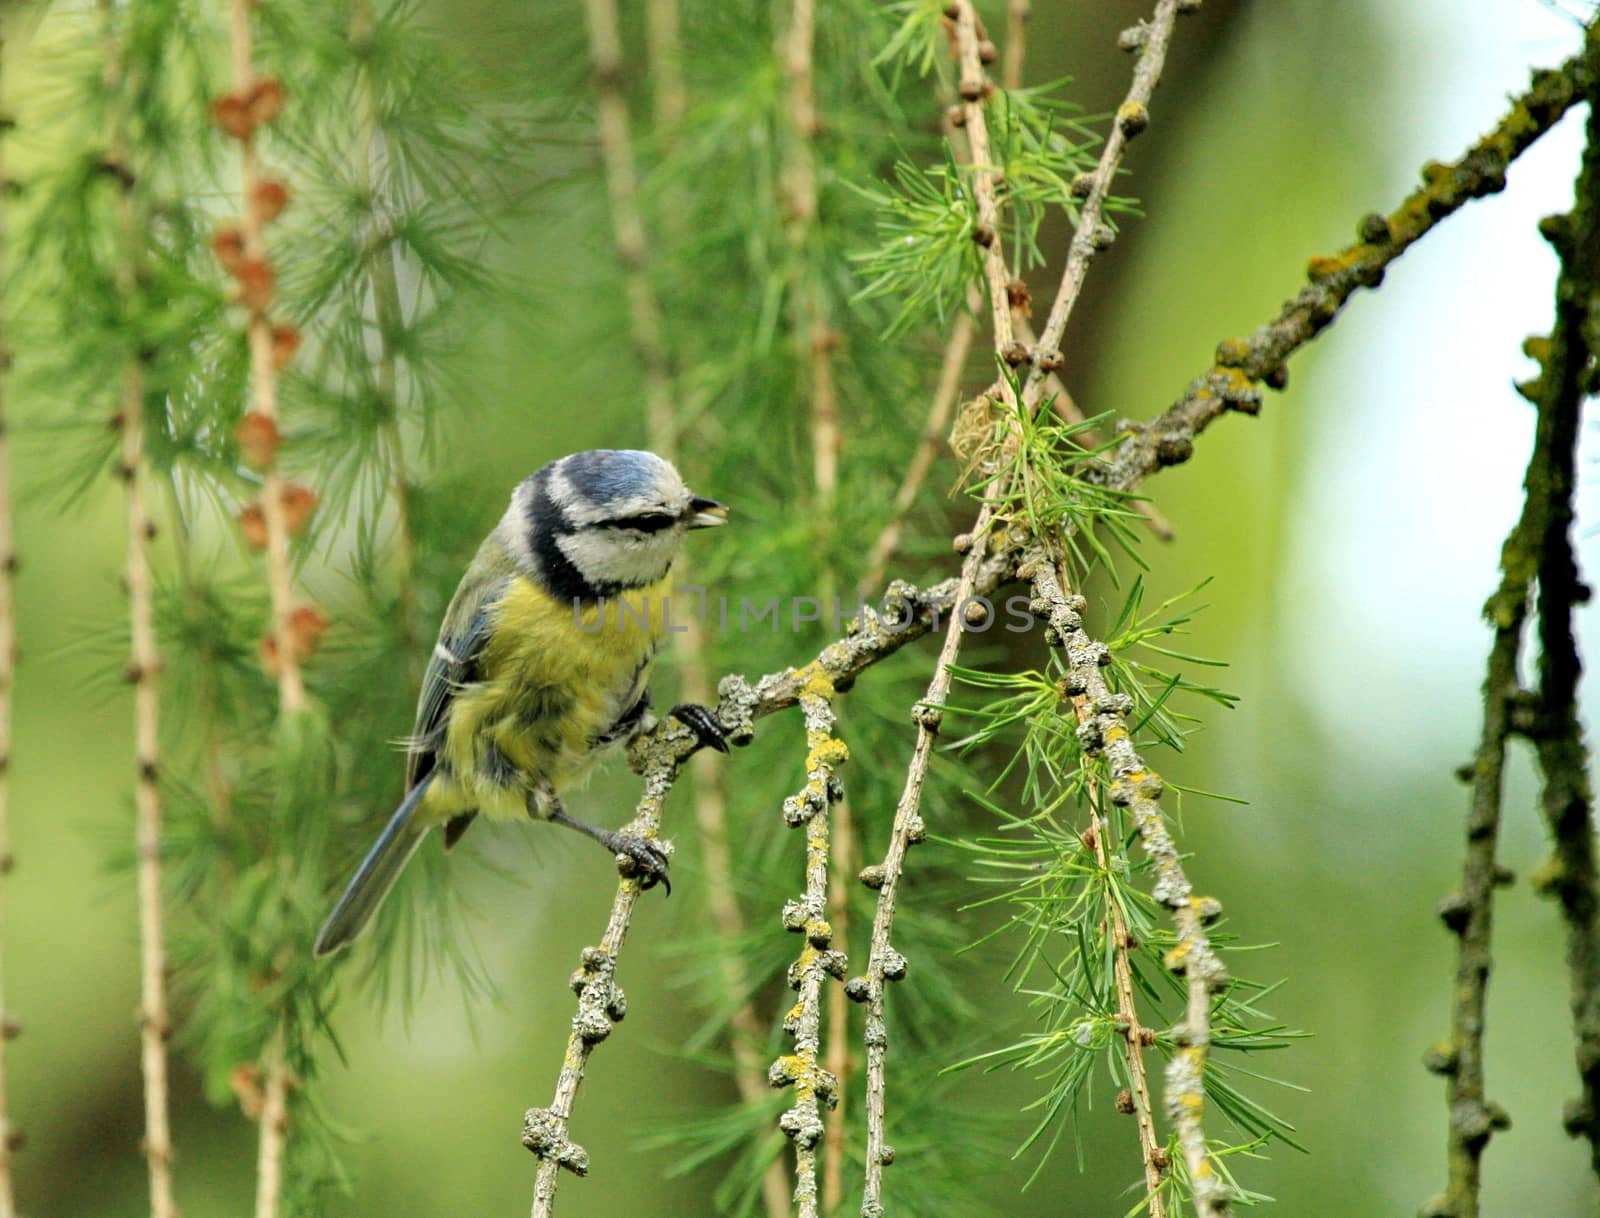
<point x="376" y="875"/>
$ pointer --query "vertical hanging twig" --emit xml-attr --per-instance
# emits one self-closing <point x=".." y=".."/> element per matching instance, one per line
<point x="746" y="1033"/>
<point x="1569" y="375"/>
<point x="8" y="654"/>
<point x="1135" y="1036"/>
<point x="144" y="663"/>
<point x="815" y="1087"/>
<point x="389" y="319"/>
<point x="1105" y="736"/>
<point x="1150" y="40"/>
<point x="255" y="102"/>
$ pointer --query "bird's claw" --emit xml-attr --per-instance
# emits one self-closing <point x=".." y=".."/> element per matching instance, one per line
<point x="703" y="722"/>
<point x="643" y="859"/>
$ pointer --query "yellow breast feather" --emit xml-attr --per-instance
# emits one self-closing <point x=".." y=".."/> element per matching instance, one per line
<point x="553" y="680"/>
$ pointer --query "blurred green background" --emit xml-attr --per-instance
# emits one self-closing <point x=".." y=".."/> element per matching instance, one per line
<point x="1351" y="531"/>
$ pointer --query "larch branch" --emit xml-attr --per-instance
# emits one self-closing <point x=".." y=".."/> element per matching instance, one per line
<point x="1568" y="376"/>
<point x="815" y="1087"/>
<point x="1242" y="364"/>
<point x="253" y="104"/>
<point x="1106" y="736"/>
<point x="9" y="1027"/>
<point x="144" y="664"/>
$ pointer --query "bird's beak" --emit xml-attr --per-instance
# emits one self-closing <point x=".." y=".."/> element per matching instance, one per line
<point x="706" y="513"/>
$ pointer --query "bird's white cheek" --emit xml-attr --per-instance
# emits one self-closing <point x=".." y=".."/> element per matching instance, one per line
<point x="616" y="557"/>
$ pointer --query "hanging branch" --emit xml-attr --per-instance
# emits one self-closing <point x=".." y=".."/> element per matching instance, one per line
<point x="633" y="250"/>
<point x="710" y="805"/>
<point x="389" y="316"/>
<point x="1244" y="363"/>
<point x="255" y="102"/>
<point x="1150" y="39"/>
<point x="1568" y="375"/>
<point x="887" y="544"/>
<point x="658" y="754"/>
<point x="1106" y="736"/>
<point x="9" y="1136"/>
<point x="815" y="1087"/>
<point x="144" y="663"/>
<point x="885" y="963"/>
<point x="1537" y="549"/>
<point x="1135" y="1036"/>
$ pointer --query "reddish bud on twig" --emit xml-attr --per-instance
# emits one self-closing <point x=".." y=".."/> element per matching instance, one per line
<point x="232" y="114"/>
<point x="258" y="439"/>
<point x="298" y="504"/>
<point x="285" y="342"/>
<point x="270" y="198"/>
<point x="265" y="100"/>
<point x="228" y="245"/>
<point x="258" y="283"/>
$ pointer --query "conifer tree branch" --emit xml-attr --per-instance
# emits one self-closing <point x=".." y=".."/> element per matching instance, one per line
<point x="144" y="666"/>
<point x="1135" y="1036"/>
<point x="710" y="805"/>
<point x="669" y="99"/>
<point x="658" y="754"/>
<point x="815" y="1087"/>
<point x="887" y="544"/>
<point x="8" y="655"/>
<point x="1537" y="551"/>
<point x="389" y="316"/>
<point x="974" y="87"/>
<point x="1105" y="735"/>
<point x="633" y="248"/>
<point x="1242" y="364"/>
<point x="254" y="102"/>
<point x="1570" y="373"/>
<point x="1091" y="234"/>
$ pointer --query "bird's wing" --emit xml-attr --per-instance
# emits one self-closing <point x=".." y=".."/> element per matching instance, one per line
<point x="455" y="662"/>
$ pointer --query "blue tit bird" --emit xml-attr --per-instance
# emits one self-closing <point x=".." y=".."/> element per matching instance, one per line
<point x="542" y="663"/>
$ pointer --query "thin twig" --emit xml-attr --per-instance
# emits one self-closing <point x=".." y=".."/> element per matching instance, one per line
<point x="839" y="1062"/>
<point x="710" y="806"/>
<point x="1017" y="14"/>
<point x="974" y="88"/>
<point x="814" y="1086"/>
<point x="633" y="250"/>
<point x="253" y="103"/>
<point x="669" y="99"/>
<point x="144" y="667"/>
<point x="1091" y="234"/>
<point x="1567" y="798"/>
<point x="799" y="183"/>
<point x="887" y="544"/>
<point x="1106" y="735"/>
<point x="1134" y="1035"/>
<point x="1244" y="363"/>
<point x="389" y="315"/>
<point x="8" y="657"/>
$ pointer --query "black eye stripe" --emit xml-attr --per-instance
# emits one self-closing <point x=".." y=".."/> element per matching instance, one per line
<point x="644" y="522"/>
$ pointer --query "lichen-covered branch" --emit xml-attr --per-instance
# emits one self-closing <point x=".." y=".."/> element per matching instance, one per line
<point x="1135" y="1037"/>
<point x="1092" y="234"/>
<point x="1243" y="364"/>
<point x="657" y="755"/>
<point x="8" y="655"/>
<point x="1569" y="374"/>
<point x="1105" y="735"/>
<point x="815" y="1087"/>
